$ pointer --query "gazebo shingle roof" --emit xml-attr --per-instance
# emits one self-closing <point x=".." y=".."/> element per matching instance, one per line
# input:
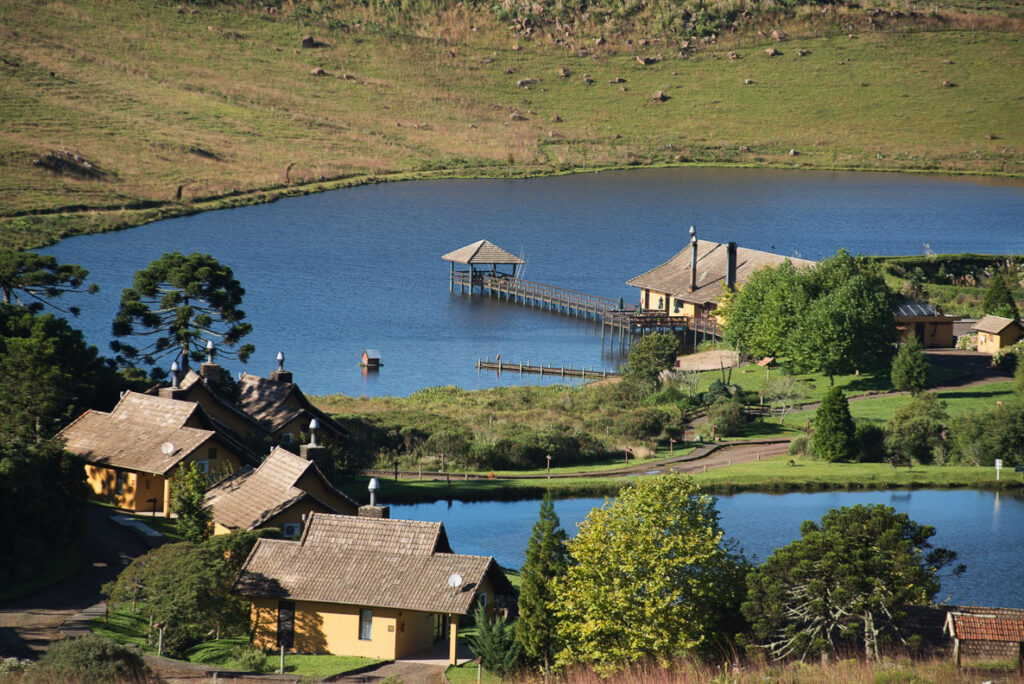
<point x="673" y="276"/>
<point x="376" y="562"/>
<point x="250" y="497"/>
<point x="482" y="252"/>
<point x="993" y="324"/>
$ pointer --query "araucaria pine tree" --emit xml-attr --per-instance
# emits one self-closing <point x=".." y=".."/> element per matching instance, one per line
<point x="546" y="559"/>
<point x="910" y="367"/>
<point x="999" y="299"/>
<point x="833" y="428"/>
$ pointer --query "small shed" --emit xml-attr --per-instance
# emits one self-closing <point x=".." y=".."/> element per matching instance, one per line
<point x="982" y="635"/>
<point x="371" y="358"/>
<point x="996" y="332"/>
<point x="931" y="327"/>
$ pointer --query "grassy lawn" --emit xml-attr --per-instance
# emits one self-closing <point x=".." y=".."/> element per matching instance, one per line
<point x="62" y="564"/>
<point x="467" y="674"/>
<point x="178" y="112"/>
<point x="778" y="473"/>
<point x="126" y="627"/>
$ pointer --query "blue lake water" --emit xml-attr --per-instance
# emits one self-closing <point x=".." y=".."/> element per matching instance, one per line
<point x="986" y="529"/>
<point x="329" y="275"/>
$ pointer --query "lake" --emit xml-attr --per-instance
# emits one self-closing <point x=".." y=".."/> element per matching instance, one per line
<point x="986" y="529"/>
<point x="329" y="275"/>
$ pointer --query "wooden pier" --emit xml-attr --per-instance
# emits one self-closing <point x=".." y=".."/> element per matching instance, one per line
<point x="550" y="370"/>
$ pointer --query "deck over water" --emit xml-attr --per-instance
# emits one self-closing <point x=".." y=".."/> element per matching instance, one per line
<point x="580" y="304"/>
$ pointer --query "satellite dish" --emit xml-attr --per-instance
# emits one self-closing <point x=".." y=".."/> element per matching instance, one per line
<point x="455" y="581"/>
<point x="167" y="448"/>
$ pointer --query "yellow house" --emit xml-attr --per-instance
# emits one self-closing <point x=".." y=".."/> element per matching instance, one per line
<point x="280" y="493"/>
<point x="130" y="453"/>
<point x="365" y="586"/>
<point x="995" y="332"/>
<point x="279" y="403"/>
<point x="932" y="328"/>
<point x="692" y="283"/>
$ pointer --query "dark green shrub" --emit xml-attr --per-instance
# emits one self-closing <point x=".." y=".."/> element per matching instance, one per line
<point x="798" y="445"/>
<point x="93" y="658"/>
<point x="833" y="438"/>
<point x="980" y="438"/>
<point x="870" y="442"/>
<point x="717" y="390"/>
<point x="642" y="423"/>
<point x="250" y="658"/>
<point x="727" y="416"/>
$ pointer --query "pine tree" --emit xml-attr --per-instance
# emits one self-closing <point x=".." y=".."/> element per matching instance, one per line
<point x="494" y="643"/>
<point x="999" y="299"/>
<point x="187" y="489"/>
<point x="546" y="559"/>
<point x="834" y="429"/>
<point x="910" y="367"/>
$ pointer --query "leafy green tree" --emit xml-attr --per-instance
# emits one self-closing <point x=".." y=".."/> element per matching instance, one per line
<point x="649" y="577"/>
<point x="187" y="588"/>
<point x="546" y="559"/>
<point x="655" y="353"/>
<point x="999" y="300"/>
<point x="844" y="581"/>
<point x="494" y="643"/>
<point x="42" y="498"/>
<point x="48" y="375"/>
<point x="910" y="367"/>
<point x="762" y="315"/>
<point x="726" y="416"/>
<point x="1018" y="381"/>
<point x="179" y="302"/>
<point x="39" y="279"/>
<point x="915" y="430"/>
<point x="834" y="431"/>
<point x="188" y="486"/>
<point x="978" y="438"/>
<point x="92" y="658"/>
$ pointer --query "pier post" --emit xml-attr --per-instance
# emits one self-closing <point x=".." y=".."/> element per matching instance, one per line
<point x="451" y="278"/>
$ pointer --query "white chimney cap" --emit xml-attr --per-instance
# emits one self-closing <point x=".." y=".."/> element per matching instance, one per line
<point x="209" y="345"/>
<point x="280" y="356"/>
<point x="374" y="484"/>
<point x="314" y="424"/>
<point x="693" y="231"/>
<point x="174" y="366"/>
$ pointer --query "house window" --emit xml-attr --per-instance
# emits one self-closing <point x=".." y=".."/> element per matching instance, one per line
<point x="291" y="530"/>
<point x="677" y="305"/>
<point x="482" y="599"/>
<point x="211" y="453"/>
<point x="122" y="478"/>
<point x="204" y="466"/>
<point x="365" y="624"/>
<point x="285" y="624"/>
<point x="287" y="438"/>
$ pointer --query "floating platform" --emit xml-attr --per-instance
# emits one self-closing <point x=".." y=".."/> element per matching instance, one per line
<point x="550" y="370"/>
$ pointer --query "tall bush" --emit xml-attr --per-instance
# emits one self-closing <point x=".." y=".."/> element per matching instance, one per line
<point x="92" y="658"/>
<point x="910" y="367"/>
<point x="833" y="438"/>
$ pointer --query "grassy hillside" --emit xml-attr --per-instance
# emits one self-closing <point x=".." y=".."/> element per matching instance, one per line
<point x="118" y="113"/>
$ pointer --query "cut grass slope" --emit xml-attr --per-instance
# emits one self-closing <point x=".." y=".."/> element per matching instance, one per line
<point x="178" y="111"/>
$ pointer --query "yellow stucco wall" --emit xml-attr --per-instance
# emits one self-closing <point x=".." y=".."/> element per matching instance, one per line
<point x="201" y="396"/>
<point x="935" y="334"/>
<point x="311" y="483"/>
<point x="989" y="343"/>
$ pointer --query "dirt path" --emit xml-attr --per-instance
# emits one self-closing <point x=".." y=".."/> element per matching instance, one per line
<point x="30" y="623"/>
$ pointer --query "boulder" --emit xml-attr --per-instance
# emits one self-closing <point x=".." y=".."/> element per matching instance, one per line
<point x="772" y="52"/>
<point x="516" y="116"/>
<point x="779" y="36"/>
<point x="564" y="73"/>
<point x="599" y="41"/>
<point x="308" y="42"/>
<point x="794" y="153"/>
<point x="659" y="96"/>
<point x="803" y="53"/>
<point x="617" y="79"/>
<point x="948" y="84"/>
<point x="556" y="119"/>
<point x="318" y="71"/>
<point x="733" y="55"/>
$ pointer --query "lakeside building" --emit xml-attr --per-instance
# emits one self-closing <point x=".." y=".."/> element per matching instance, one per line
<point x="692" y="283"/>
<point x="282" y="492"/>
<point x="365" y="586"/>
<point x="131" y="453"/>
<point x="931" y="327"/>
<point x="996" y="332"/>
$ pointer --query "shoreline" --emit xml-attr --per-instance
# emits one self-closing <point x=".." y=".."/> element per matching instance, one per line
<point x="146" y="211"/>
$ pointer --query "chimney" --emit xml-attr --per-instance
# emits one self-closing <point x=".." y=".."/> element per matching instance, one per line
<point x="281" y="375"/>
<point x="174" y="391"/>
<point x="373" y="510"/>
<point x="693" y="259"/>
<point x="730" y="267"/>
<point x="210" y="371"/>
<point x="313" y="451"/>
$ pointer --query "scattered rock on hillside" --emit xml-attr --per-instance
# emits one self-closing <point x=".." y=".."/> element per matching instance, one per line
<point x="553" y="134"/>
<point x="599" y="41"/>
<point x="516" y="116"/>
<point x="309" y="42"/>
<point x="318" y="71"/>
<point x="772" y="52"/>
<point x="587" y="81"/>
<point x="948" y="84"/>
<point x="516" y="48"/>
<point x="617" y="79"/>
<point x="510" y="70"/>
<point x="794" y="153"/>
<point x="659" y="96"/>
<point x="748" y="81"/>
<point x="803" y="53"/>
<point x="556" y="119"/>
<point x="779" y="36"/>
<point x="564" y="73"/>
<point x="647" y="61"/>
<point x="734" y="55"/>
<point x="948" y="61"/>
<point x="744" y="148"/>
<point x="617" y="137"/>
<point x="526" y="82"/>
<point x="349" y="77"/>
<point x="991" y="136"/>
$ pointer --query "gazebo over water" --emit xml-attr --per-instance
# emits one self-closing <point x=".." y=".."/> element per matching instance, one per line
<point x="478" y="256"/>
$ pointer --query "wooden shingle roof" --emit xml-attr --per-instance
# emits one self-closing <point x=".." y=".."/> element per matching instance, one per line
<point x="985" y="628"/>
<point x="376" y="562"/>
<point x="482" y="252"/>
<point x="993" y="324"/>
<point x="250" y="497"/>
<point x="268" y="400"/>
<point x="133" y="435"/>
<point x="673" y="276"/>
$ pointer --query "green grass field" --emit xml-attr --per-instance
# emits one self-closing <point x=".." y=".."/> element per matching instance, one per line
<point x="130" y="628"/>
<point x="216" y="103"/>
